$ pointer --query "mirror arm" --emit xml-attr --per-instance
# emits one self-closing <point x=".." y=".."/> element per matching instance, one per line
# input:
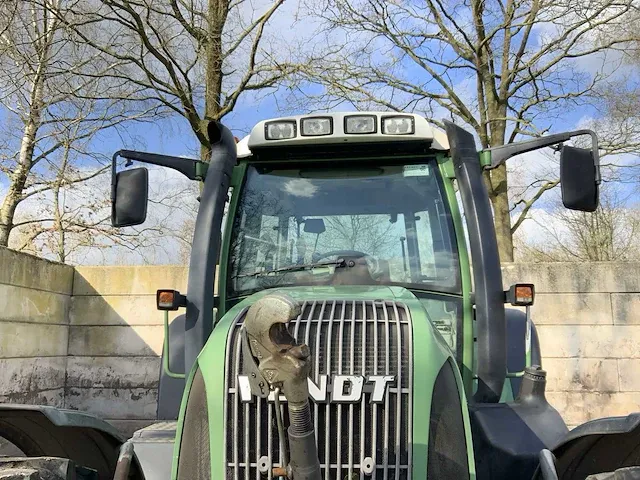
<point x="113" y="183"/>
<point x="501" y="154"/>
<point x="190" y="168"/>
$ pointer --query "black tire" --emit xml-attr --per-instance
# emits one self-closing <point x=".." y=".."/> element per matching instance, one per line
<point x="43" y="468"/>
<point x="37" y="437"/>
<point x="627" y="473"/>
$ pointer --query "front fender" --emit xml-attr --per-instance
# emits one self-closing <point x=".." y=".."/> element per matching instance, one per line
<point x="601" y="445"/>
<point x="51" y="432"/>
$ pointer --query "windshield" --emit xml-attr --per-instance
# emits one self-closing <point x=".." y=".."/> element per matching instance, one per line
<point x="380" y="225"/>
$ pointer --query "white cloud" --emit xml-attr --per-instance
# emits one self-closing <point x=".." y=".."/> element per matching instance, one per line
<point x="300" y="187"/>
<point x="538" y="229"/>
<point x="172" y="205"/>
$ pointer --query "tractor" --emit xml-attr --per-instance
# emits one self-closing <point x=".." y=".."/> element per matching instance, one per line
<point x="360" y="328"/>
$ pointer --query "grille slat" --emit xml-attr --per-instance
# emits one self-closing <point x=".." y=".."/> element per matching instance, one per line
<point x="328" y="443"/>
<point x="375" y="405"/>
<point x="387" y="332"/>
<point x="346" y="337"/>
<point x="363" y="372"/>
<point x="316" y="370"/>
<point x="258" y="431"/>
<point x="399" y="383"/>
<point x="352" y="362"/>
<point x="236" y="403"/>
<point x="340" y="370"/>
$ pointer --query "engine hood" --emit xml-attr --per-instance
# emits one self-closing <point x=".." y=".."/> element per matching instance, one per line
<point x="350" y="292"/>
<point x="415" y="353"/>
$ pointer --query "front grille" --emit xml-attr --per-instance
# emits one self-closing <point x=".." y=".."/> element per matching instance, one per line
<point x="345" y="338"/>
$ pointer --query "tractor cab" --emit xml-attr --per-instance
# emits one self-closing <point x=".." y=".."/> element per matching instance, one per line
<point x="355" y="200"/>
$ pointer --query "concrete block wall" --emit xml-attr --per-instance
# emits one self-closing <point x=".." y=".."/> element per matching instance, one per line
<point x="588" y="320"/>
<point x="115" y="340"/>
<point x="34" y="328"/>
<point x="90" y="338"/>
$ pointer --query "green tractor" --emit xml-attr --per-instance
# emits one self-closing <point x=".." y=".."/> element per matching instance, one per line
<point x="360" y="327"/>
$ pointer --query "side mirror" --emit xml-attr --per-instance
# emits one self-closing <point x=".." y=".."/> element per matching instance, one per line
<point x="578" y="178"/>
<point x="579" y="167"/>
<point x="314" y="225"/>
<point x="129" y="197"/>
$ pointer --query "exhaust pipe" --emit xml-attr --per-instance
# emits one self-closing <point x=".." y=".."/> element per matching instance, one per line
<point x="487" y="275"/>
<point x="206" y="242"/>
<point x="285" y="366"/>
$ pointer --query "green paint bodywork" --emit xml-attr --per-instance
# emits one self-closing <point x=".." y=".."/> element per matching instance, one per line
<point x="183" y="407"/>
<point x="166" y="356"/>
<point x="236" y="183"/>
<point x="201" y="170"/>
<point x="430" y="352"/>
<point x="485" y="158"/>
<point x="467" y="335"/>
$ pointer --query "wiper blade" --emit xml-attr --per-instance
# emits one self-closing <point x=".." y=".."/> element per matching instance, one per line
<point x="296" y="268"/>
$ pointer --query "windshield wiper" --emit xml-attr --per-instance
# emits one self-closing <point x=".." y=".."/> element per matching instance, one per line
<point x="296" y="268"/>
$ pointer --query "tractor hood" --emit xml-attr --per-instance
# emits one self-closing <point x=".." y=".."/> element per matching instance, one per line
<point x="379" y="366"/>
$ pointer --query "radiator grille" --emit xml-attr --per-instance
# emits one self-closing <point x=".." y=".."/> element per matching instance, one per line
<point x="345" y="338"/>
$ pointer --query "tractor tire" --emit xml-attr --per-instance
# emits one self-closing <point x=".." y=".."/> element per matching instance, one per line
<point x="627" y="473"/>
<point x="43" y="468"/>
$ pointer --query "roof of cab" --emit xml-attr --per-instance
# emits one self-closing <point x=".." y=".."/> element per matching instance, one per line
<point x="422" y="130"/>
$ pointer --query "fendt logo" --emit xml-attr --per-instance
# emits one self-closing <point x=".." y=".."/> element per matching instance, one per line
<point x="341" y="388"/>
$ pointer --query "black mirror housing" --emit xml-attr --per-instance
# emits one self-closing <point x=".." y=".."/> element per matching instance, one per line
<point x="578" y="179"/>
<point x="130" y="197"/>
<point x="314" y="225"/>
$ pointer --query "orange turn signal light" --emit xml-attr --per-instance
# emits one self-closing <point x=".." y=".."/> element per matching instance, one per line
<point x="520" y="295"/>
<point x="170" y="300"/>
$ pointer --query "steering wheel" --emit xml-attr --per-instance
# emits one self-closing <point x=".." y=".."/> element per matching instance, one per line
<point x="351" y="253"/>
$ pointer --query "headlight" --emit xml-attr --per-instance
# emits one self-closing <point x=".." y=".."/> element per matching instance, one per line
<point x="316" y="126"/>
<point x="360" y="124"/>
<point x="280" y="130"/>
<point x="398" y="125"/>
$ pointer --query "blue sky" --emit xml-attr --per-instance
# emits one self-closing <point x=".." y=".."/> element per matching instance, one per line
<point x="174" y="136"/>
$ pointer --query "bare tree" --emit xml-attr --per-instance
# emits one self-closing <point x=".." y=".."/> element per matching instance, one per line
<point x="194" y="57"/>
<point x="608" y="234"/>
<point x="505" y="68"/>
<point x="619" y="121"/>
<point x="49" y="103"/>
<point x="67" y="211"/>
<point x="365" y="233"/>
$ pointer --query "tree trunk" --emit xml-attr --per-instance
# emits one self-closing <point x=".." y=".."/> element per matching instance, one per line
<point x="217" y="17"/>
<point x="498" y="185"/>
<point x="18" y="178"/>
<point x="501" y="214"/>
<point x="28" y="143"/>
<point x="57" y="211"/>
<point x="58" y="226"/>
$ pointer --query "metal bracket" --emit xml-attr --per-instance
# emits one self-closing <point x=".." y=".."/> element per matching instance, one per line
<point x="259" y="386"/>
<point x="282" y="362"/>
<point x="498" y="155"/>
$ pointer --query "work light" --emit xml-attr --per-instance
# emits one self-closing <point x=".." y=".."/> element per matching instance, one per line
<point x="398" y="125"/>
<point x="360" y="124"/>
<point x="280" y="130"/>
<point x="316" y="126"/>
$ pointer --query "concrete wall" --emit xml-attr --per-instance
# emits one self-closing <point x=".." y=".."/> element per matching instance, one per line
<point x="588" y="320"/>
<point x="115" y="339"/>
<point x="34" y="328"/>
<point x="90" y="338"/>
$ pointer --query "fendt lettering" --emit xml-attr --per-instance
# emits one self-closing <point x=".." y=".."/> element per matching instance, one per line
<point x="341" y="389"/>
